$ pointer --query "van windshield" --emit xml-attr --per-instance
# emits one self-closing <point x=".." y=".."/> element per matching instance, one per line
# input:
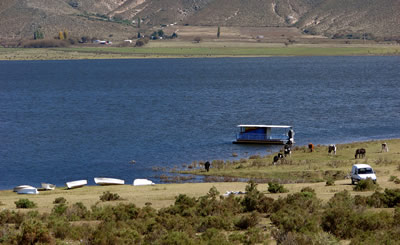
<point x="365" y="171"/>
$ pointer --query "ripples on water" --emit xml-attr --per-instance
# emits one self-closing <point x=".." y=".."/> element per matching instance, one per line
<point x="67" y="120"/>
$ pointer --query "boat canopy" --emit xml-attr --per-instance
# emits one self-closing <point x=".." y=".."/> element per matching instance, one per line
<point x="263" y="126"/>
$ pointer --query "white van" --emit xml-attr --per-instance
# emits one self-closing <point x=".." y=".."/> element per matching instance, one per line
<point x="361" y="172"/>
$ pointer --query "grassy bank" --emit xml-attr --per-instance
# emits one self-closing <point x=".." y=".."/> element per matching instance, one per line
<point x="300" y="170"/>
<point x="196" y="213"/>
<point x="189" y="49"/>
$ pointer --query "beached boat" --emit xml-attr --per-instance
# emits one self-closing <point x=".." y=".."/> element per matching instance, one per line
<point x="264" y="134"/>
<point x="76" y="184"/>
<point x="108" y="181"/>
<point x="28" y="190"/>
<point x="17" y="188"/>
<point x="137" y="182"/>
<point x="47" y="186"/>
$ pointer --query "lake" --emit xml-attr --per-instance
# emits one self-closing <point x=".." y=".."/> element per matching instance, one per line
<point x="70" y="120"/>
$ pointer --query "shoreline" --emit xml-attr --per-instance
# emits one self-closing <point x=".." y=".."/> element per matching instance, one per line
<point x="202" y="50"/>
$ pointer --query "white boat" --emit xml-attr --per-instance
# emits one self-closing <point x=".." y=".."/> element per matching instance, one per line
<point x="76" y="184"/>
<point x="17" y="188"/>
<point x="108" y="181"/>
<point x="137" y="182"/>
<point x="48" y="186"/>
<point x="28" y="190"/>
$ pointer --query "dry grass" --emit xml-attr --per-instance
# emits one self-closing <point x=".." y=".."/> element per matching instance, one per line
<point x="163" y="195"/>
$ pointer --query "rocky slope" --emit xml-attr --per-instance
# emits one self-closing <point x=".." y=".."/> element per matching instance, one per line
<point x="118" y="18"/>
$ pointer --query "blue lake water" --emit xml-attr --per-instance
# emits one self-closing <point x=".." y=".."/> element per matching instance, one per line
<point x="70" y="120"/>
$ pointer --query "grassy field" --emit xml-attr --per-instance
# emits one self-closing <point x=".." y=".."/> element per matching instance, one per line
<point x="162" y="195"/>
<point x="182" y="49"/>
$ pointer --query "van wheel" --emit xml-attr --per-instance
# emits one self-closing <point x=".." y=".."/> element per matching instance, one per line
<point x="352" y="181"/>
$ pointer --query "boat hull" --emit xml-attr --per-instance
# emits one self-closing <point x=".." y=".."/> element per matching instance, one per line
<point x="265" y="142"/>
<point x="47" y="186"/>
<point x="76" y="184"/>
<point x="17" y="188"/>
<point x="109" y="181"/>
<point x="139" y="182"/>
<point x="31" y="191"/>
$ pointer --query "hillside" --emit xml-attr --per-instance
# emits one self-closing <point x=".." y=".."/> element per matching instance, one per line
<point x="118" y="19"/>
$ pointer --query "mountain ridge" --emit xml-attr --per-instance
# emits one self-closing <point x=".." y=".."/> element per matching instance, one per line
<point x="21" y="18"/>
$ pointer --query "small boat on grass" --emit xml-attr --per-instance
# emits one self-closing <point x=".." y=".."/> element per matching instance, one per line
<point x="17" y="188"/>
<point x="28" y="190"/>
<point x="76" y="184"/>
<point x="138" y="182"/>
<point x="108" y="181"/>
<point x="48" y="187"/>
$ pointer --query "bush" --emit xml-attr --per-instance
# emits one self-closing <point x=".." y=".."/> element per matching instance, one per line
<point x="25" y="203"/>
<point x="330" y="182"/>
<point x="140" y="43"/>
<point x="276" y="188"/>
<point x="34" y="231"/>
<point x="59" y="200"/>
<point x="44" y="43"/>
<point x="247" y="221"/>
<point x="108" y="196"/>
<point x="365" y="185"/>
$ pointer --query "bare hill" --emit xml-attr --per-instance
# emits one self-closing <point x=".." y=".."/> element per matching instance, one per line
<point x="118" y="19"/>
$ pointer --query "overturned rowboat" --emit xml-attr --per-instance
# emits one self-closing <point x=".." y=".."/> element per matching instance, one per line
<point x="48" y="187"/>
<point x="138" y="182"/>
<point x="108" y="181"/>
<point x="76" y="184"/>
<point x="28" y="190"/>
<point x="17" y="188"/>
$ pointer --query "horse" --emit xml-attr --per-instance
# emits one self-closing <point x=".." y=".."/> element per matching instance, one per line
<point x="311" y="147"/>
<point x="360" y="153"/>
<point x="385" y="147"/>
<point x="332" y="149"/>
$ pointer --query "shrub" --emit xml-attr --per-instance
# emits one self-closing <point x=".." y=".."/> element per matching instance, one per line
<point x="276" y="188"/>
<point x="34" y="231"/>
<point x="197" y="39"/>
<point x="25" y="203"/>
<point x="108" y="196"/>
<point x="59" y="200"/>
<point x="77" y="211"/>
<point x="44" y="43"/>
<point x="365" y="185"/>
<point x="255" y="200"/>
<point x="247" y="221"/>
<point x="140" y="43"/>
<point x="330" y="182"/>
<point x="59" y="209"/>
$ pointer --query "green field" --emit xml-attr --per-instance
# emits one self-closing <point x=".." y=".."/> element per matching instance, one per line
<point x="189" y="49"/>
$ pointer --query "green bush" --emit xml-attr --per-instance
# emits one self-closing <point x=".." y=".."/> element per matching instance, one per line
<point x="34" y="231"/>
<point x="247" y="221"/>
<point x="365" y="185"/>
<point x="59" y="200"/>
<point x="108" y="196"/>
<point x="276" y="188"/>
<point x="25" y="203"/>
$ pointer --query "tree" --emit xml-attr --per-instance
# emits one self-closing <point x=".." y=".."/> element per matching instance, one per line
<point x="218" y="31"/>
<point x="65" y="34"/>
<point x="38" y="35"/>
